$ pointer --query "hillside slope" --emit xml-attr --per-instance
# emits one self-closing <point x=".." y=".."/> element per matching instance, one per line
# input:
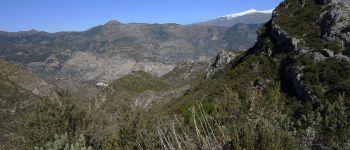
<point x="19" y="89"/>
<point x="292" y="86"/>
<point x="27" y="80"/>
<point x="291" y="90"/>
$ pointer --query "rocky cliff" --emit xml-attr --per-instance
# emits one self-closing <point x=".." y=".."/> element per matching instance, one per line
<point x="325" y="43"/>
<point x="222" y="59"/>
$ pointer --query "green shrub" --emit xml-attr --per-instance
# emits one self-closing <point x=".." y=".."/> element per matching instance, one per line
<point x="335" y="124"/>
<point x="61" y="142"/>
<point x="47" y="118"/>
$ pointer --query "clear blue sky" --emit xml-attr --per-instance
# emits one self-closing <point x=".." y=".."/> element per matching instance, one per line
<point x="79" y="15"/>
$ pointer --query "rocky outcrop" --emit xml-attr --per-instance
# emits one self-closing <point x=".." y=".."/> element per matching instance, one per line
<point x="301" y="89"/>
<point x="335" y="20"/>
<point x="334" y="23"/>
<point x="282" y="39"/>
<point x="89" y="67"/>
<point x="222" y="59"/>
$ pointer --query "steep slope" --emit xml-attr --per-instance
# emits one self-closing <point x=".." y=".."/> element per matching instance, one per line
<point x="27" y="80"/>
<point x="139" y="96"/>
<point x="19" y="89"/>
<point x="247" y="17"/>
<point x="13" y="100"/>
<point x="289" y="91"/>
<point x="143" y="89"/>
<point x="292" y="86"/>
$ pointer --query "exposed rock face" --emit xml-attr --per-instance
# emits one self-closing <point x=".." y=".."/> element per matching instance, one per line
<point x="222" y="59"/>
<point x="282" y="39"/>
<point x="334" y="21"/>
<point x="188" y="71"/>
<point x="342" y="57"/>
<point x="301" y="88"/>
<point x="86" y="66"/>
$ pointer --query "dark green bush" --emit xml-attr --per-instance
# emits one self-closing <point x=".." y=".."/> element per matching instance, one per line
<point x="347" y="49"/>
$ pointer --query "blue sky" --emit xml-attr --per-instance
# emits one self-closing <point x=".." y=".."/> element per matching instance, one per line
<point x="79" y="15"/>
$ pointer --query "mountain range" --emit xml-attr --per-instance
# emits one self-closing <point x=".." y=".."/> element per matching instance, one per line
<point x="110" y="51"/>
<point x="290" y="90"/>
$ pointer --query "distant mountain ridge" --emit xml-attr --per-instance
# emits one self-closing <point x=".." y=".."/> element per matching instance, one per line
<point x="110" y="51"/>
<point x="251" y="16"/>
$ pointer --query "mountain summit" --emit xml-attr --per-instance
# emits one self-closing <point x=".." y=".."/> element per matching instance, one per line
<point x="251" y="16"/>
<point x="113" y="22"/>
<point x="248" y="12"/>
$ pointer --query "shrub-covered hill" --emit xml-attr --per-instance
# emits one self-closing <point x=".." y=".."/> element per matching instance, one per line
<point x="289" y="91"/>
<point x="19" y="90"/>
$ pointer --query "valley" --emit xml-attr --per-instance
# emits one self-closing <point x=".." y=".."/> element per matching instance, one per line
<point x="108" y="52"/>
<point x="279" y="82"/>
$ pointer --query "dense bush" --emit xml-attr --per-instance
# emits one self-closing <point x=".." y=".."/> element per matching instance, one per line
<point x="46" y="118"/>
<point x="61" y="142"/>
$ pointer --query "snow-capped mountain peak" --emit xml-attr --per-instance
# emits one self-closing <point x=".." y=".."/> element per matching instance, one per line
<point x="248" y="12"/>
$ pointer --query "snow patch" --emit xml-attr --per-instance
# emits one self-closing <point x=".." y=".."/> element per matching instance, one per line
<point x="248" y="12"/>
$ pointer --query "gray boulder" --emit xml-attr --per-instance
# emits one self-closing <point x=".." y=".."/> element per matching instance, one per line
<point x="222" y="59"/>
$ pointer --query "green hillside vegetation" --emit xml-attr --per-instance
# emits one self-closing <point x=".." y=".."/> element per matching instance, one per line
<point x="13" y="100"/>
<point x="295" y="20"/>
<point x="133" y="84"/>
<point x="253" y="103"/>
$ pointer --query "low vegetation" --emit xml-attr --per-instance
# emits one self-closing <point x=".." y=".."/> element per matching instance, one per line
<point x="253" y="103"/>
<point x="298" y="17"/>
